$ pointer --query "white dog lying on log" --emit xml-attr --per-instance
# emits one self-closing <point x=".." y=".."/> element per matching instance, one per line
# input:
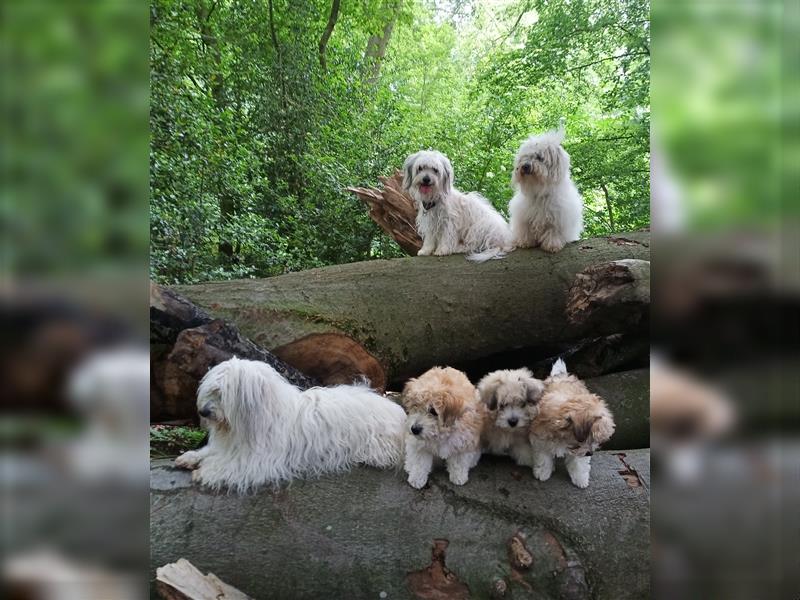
<point x="263" y="430"/>
<point x="449" y="221"/>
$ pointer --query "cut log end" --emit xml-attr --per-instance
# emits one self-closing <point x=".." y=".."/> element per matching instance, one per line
<point x="610" y="294"/>
<point x="333" y="359"/>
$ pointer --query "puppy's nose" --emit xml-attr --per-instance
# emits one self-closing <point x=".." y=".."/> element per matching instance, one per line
<point x="426" y="180"/>
<point x="416" y="429"/>
<point x="589" y="453"/>
<point x="526" y="168"/>
<point x="205" y="412"/>
<point x="512" y="422"/>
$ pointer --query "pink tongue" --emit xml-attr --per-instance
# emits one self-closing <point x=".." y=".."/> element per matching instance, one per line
<point x="424" y="189"/>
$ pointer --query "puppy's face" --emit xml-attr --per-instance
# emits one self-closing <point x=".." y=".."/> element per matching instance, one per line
<point x="428" y="178"/>
<point x="540" y="159"/>
<point x="435" y="401"/>
<point x="512" y="398"/>
<point x="580" y="424"/>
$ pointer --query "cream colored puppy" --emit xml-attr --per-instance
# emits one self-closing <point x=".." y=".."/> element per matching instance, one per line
<point x="572" y="422"/>
<point x="511" y="399"/>
<point x="444" y="421"/>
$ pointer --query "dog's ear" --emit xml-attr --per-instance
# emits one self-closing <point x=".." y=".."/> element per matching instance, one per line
<point x="603" y="428"/>
<point x="408" y="171"/>
<point x="447" y="175"/>
<point x="487" y="390"/>
<point x="451" y="410"/>
<point x="535" y="389"/>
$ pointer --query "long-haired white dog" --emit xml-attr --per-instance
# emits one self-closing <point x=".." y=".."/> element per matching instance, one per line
<point x="264" y="430"/>
<point x="449" y="221"/>
<point x="546" y="209"/>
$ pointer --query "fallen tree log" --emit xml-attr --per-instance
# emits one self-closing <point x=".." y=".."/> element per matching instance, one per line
<point x="393" y="319"/>
<point x="185" y="342"/>
<point x="368" y="534"/>
<point x="393" y="210"/>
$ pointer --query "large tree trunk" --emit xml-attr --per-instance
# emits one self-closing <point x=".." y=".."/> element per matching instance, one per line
<point x="390" y="320"/>
<point x="377" y="44"/>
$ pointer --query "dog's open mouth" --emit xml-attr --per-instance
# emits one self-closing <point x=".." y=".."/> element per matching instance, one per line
<point x="425" y="189"/>
<point x="428" y="205"/>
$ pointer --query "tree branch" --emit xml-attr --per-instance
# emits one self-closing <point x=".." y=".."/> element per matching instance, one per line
<point x="326" y="35"/>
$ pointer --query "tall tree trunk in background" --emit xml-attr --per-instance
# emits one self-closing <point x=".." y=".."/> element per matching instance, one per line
<point x="377" y="44"/>
<point x="217" y="84"/>
<point x="326" y="35"/>
<point x="609" y="207"/>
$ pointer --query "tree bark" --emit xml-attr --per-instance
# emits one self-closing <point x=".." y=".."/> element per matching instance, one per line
<point x="614" y="295"/>
<point x="393" y="319"/>
<point x="185" y="342"/>
<point x="326" y="35"/>
<point x="393" y="210"/>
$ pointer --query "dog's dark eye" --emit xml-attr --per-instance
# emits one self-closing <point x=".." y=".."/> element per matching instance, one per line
<point x="538" y="157"/>
<point x="432" y="412"/>
<point x="435" y="170"/>
<point x="419" y="168"/>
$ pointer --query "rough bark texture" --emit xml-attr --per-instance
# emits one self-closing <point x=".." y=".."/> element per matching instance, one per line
<point x="181" y="580"/>
<point x="185" y="344"/>
<point x="615" y="295"/>
<point x="393" y="210"/>
<point x="413" y="313"/>
<point x="368" y="534"/>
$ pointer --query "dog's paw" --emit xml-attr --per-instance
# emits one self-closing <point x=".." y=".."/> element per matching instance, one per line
<point x="459" y="478"/>
<point x="581" y="480"/>
<point x="552" y="246"/>
<point x="418" y="481"/>
<point x="197" y="476"/>
<point x="423" y="252"/>
<point x="441" y="252"/>
<point x="542" y="473"/>
<point x="188" y="460"/>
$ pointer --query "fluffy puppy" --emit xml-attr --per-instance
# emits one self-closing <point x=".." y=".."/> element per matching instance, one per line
<point x="264" y="430"/>
<point x="572" y="422"/>
<point x="511" y="399"/>
<point x="444" y="421"/>
<point x="546" y="209"/>
<point x="449" y="221"/>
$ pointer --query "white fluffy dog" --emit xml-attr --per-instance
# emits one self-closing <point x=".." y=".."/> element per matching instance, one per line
<point x="263" y="430"/>
<point x="449" y="221"/>
<point x="546" y="209"/>
<point x="445" y="419"/>
<point x="572" y="422"/>
<point x="511" y="398"/>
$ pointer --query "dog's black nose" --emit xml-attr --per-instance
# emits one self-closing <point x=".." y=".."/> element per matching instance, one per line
<point x="512" y="422"/>
<point x="589" y="453"/>
<point x="204" y="412"/>
<point x="416" y="429"/>
<point x="526" y="168"/>
<point x="426" y="180"/>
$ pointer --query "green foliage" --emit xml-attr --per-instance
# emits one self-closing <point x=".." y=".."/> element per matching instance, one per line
<point x="168" y="441"/>
<point x="254" y="143"/>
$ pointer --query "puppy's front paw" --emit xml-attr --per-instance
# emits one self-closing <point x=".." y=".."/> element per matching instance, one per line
<point x="580" y="480"/>
<point x="188" y="460"/>
<point x="197" y="476"/>
<point x="542" y="473"/>
<point x="459" y="478"/>
<point x="424" y="252"/>
<point x="418" y="481"/>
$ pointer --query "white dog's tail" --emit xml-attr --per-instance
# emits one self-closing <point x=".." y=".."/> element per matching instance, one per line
<point x="559" y="368"/>
<point x="490" y="254"/>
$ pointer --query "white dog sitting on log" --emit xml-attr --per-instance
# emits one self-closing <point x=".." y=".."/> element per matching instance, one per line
<point x="546" y="209"/>
<point x="264" y="430"/>
<point x="449" y="221"/>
